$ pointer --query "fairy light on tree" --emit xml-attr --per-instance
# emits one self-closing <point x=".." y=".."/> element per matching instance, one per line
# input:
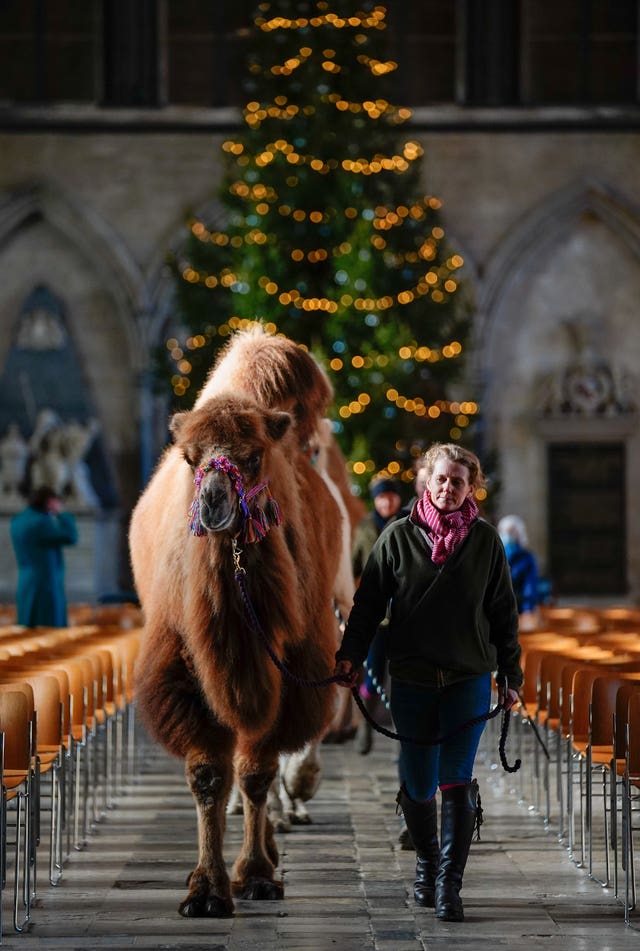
<point x="329" y="239"/>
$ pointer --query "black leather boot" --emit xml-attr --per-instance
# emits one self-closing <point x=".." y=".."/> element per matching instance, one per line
<point x="422" y="823"/>
<point x="461" y="812"/>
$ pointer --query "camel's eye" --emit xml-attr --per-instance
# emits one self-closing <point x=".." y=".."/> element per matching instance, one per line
<point x="190" y="458"/>
<point x="253" y="463"/>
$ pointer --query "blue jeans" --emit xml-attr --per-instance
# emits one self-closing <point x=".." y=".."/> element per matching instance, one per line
<point x="426" y="712"/>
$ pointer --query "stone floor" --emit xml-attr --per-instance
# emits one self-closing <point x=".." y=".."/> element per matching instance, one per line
<point x="347" y="883"/>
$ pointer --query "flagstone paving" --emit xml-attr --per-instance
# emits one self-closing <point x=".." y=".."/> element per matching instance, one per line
<point x="347" y="883"/>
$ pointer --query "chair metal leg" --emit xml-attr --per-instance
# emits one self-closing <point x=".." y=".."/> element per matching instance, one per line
<point x="55" y="837"/>
<point x="22" y="800"/>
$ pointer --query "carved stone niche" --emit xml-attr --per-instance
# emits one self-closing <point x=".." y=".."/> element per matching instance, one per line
<point x="586" y="403"/>
<point x="587" y="387"/>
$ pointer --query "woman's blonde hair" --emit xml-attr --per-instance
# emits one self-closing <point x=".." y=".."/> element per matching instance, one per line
<point x="455" y="453"/>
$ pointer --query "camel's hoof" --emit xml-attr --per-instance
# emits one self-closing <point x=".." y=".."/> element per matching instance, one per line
<point x="206" y="906"/>
<point x="281" y="825"/>
<point x="258" y="890"/>
<point x="300" y="818"/>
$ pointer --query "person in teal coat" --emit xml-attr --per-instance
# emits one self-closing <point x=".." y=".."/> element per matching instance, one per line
<point x="38" y="535"/>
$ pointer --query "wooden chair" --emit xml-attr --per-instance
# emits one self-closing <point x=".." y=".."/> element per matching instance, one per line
<point x="601" y="755"/>
<point x="129" y="648"/>
<point x="85" y="673"/>
<point x="620" y="618"/>
<point x="579" y="739"/>
<point x="582" y="678"/>
<point x="573" y="621"/>
<point x="631" y="799"/>
<point x="117" y="648"/>
<point x="16" y="777"/>
<point x="535" y="697"/>
<point x="78" y="680"/>
<point x="621" y="720"/>
<point x="49" y="763"/>
<point x="554" y="684"/>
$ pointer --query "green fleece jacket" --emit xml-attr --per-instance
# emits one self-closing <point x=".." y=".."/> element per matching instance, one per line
<point x="447" y="622"/>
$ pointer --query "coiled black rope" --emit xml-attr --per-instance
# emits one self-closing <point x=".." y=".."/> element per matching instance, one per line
<point x="474" y="721"/>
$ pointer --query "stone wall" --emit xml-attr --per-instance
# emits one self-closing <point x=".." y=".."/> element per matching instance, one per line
<point x="548" y="223"/>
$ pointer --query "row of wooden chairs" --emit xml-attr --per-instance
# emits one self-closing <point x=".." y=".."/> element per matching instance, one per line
<point x="127" y="615"/>
<point x="66" y="729"/>
<point x="580" y="621"/>
<point x="578" y="735"/>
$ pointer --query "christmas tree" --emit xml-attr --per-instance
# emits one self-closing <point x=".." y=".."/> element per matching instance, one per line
<point x="329" y="239"/>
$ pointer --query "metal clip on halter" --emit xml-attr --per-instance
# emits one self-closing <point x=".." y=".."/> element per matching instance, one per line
<point x="236" y="552"/>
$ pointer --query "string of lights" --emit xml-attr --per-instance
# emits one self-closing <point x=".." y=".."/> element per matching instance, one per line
<point x="324" y="242"/>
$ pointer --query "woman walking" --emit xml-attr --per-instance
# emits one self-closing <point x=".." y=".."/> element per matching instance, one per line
<point x="453" y="620"/>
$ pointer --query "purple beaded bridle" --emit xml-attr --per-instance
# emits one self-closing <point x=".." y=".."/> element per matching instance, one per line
<point x="255" y="521"/>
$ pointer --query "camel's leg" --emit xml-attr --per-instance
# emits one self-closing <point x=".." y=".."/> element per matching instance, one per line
<point x="171" y="705"/>
<point x="288" y="805"/>
<point x="234" y="806"/>
<point x="275" y="806"/>
<point x="301" y="772"/>
<point x="210" y="776"/>
<point x="255" y="866"/>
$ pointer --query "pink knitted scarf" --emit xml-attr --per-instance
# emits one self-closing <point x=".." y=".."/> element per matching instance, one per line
<point x="448" y="528"/>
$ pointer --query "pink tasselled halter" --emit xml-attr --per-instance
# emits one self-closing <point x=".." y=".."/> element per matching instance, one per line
<point x="256" y="521"/>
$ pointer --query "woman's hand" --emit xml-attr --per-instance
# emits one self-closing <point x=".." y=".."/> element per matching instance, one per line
<point x="509" y="700"/>
<point x="345" y="669"/>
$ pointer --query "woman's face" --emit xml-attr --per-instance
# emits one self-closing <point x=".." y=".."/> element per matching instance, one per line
<point x="449" y="484"/>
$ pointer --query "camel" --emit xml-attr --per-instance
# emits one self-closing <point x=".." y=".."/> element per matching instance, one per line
<point x="300" y="772"/>
<point x="282" y="375"/>
<point x="206" y="687"/>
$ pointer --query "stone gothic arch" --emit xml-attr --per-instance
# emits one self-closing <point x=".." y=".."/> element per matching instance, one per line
<point x="569" y="271"/>
<point x="535" y="237"/>
<point x="49" y="240"/>
<point x="91" y="239"/>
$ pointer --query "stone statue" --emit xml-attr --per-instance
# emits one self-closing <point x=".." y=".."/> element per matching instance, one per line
<point x="47" y="464"/>
<point x="57" y="452"/>
<point x="77" y="439"/>
<point x="14" y="453"/>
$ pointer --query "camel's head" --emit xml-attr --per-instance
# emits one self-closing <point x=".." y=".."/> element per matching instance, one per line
<point x="228" y="442"/>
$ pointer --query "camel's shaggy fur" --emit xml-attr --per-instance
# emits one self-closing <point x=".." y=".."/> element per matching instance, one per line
<point x="277" y="373"/>
<point x="206" y="687"/>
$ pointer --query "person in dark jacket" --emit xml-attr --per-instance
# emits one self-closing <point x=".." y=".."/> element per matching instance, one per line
<point x="387" y="499"/>
<point x="38" y="534"/>
<point x="453" y="621"/>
